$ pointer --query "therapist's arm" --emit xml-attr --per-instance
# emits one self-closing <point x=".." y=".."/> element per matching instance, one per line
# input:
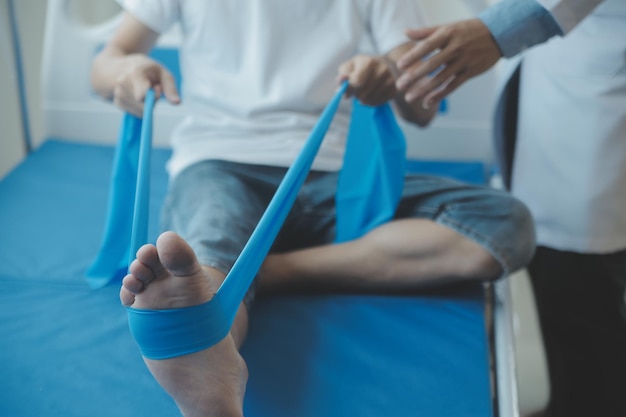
<point x="372" y="79"/>
<point x="458" y="51"/>
<point x="569" y="13"/>
<point x="123" y="73"/>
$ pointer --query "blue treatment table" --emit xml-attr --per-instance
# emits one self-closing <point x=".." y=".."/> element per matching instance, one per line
<point x="65" y="350"/>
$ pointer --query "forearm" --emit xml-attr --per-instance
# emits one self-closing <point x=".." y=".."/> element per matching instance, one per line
<point x="412" y="112"/>
<point x="128" y="46"/>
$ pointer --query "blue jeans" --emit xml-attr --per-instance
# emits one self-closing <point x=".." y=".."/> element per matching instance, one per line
<point x="215" y="205"/>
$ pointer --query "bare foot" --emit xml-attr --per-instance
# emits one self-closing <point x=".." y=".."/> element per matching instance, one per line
<point x="210" y="382"/>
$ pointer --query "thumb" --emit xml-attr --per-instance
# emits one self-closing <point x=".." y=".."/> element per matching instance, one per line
<point x="344" y="71"/>
<point x="343" y="74"/>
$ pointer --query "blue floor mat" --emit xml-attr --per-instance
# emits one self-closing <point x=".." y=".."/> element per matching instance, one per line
<point x="66" y="350"/>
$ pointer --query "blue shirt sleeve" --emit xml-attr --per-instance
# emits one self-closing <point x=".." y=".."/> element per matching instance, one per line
<point x="517" y="25"/>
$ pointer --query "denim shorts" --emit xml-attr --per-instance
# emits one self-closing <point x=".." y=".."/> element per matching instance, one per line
<point x="215" y="205"/>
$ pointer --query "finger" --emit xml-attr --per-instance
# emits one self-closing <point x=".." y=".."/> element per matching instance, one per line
<point x="124" y="100"/>
<point x="356" y="78"/>
<point x="439" y="95"/>
<point x="436" y="82"/>
<point x="378" y="76"/>
<point x="140" y="85"/>
<point x="345" y="69"/>
<point x="158" y="91"/>
<point x="422" y="33"/>
<point x="415" y="73"/>
<point x="131" y="107"/>
<point x="381" y="88"/>
<point x="382" y="94"/>
<point x="362" y="73"/>
<point x="169" y="87"/>
<point x="140" y="90"/>
<point x="343" y="74"/>
<point x="421" y="49"/>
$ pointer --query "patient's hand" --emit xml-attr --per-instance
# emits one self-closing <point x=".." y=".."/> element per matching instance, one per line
<point x="370" y="79"/>
<point x="140" y="74"/>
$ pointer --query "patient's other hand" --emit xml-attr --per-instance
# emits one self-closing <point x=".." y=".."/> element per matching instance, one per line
<point x="142" y="73"/>
<point x="370" y="79"/>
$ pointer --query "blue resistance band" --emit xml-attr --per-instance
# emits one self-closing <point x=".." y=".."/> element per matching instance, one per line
<point x="126" y="227"/>
<point x="139" y="234"/>
<point x="162" y="334"/>
<point x="372" y="177"/>
<point x="369" y="188"/>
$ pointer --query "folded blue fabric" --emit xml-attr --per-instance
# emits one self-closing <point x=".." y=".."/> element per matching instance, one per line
<point x="372" y="177"/>
<point x="369" y="189"/>
<point x="126" y="227"/>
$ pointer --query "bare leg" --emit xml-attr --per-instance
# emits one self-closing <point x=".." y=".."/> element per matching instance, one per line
<point x="400" y="255"/>
<point x="206" y="383"/>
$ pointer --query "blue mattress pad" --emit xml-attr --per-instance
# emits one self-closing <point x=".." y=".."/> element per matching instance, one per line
<point x="66" y="350"/>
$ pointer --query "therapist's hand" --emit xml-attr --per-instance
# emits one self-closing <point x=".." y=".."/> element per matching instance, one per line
<point x="370" y="79"/>
<point x="443" y="58"/>
<point x="140" y="74"/>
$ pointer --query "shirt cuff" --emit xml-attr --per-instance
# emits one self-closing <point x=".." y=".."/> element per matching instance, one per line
<point x="516" y="25"/>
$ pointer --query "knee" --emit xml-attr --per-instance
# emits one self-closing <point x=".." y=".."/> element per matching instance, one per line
<point x="483" y="266"/>
<point x="518" y="237"/>
<point x="509" y="243"/>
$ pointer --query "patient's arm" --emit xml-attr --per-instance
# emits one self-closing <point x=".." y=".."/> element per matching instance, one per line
<point x="122" y="71"/>
<point x="372" y="78"/>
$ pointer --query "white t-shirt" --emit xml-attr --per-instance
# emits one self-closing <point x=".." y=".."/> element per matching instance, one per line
<point x="570" y="160"/>
<point x="258" y="73"/>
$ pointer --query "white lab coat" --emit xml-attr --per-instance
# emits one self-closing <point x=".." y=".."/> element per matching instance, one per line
<point x="570" y="157"/>
<point x="568" y="13"/>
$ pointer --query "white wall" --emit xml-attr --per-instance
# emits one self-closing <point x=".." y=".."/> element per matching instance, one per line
<point x="31" y="19"/>
<point x="11" y="145"/>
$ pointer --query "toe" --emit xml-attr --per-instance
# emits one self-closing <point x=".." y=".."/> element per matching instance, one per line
<point x="141" y="272"/>
<point x="132" y="284"/>
<point x="126" y="297"/>
<point x="149" y="256"/>
<point x="177" y="256"/>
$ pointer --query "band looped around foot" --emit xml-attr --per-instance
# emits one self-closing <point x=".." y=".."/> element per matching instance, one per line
<point x="163" y="334"/>
<point x="367" y="201"/>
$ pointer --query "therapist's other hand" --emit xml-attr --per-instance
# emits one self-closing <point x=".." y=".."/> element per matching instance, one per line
<point x="370" y="79"/>
<point x="443" y="58"/>
<point x="142" y="73"/>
